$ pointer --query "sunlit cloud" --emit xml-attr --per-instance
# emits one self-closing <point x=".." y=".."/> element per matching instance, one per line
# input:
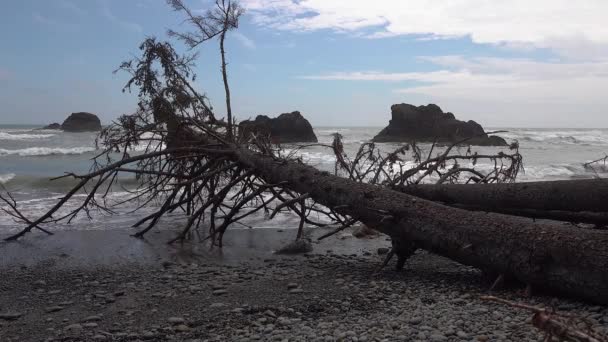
<point x="554" y="24"/>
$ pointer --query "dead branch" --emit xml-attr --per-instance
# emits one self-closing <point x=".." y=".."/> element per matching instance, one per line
<point x="556" y="326"/>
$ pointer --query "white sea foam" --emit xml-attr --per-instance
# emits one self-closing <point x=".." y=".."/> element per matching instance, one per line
<point x="5" y="178"/>
<point x="566" y="137"/>
<point x="13" y="136"/>
<point x="46" y="151"/>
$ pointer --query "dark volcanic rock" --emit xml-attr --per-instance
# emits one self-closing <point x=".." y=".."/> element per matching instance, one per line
<point x="81" y="122"/>
<point x="286" y="128"/>
<point x="297" y="247"/>
<point x="52" y="126"/>
<point x="430" y="123"/>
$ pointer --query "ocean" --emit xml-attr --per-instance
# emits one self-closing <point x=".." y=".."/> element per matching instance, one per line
<point x="29" y="157"/>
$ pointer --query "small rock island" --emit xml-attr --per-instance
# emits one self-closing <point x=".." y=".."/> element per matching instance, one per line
<point x="78" y="122"/>
<point x="286" y="128"/>
<point x="429" y="123"/>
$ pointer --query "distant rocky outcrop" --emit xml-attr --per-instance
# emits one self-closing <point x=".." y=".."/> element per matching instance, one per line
<point x="81" y="122"/>
<point x="52" y="126"/>
<point x="286" y="128"/>
<point x="429" y="123"/>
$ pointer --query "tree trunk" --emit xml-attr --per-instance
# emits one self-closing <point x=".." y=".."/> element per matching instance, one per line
<point x="547" y="256"/>
<point x="574" y="200"/>
<point x="226" y="87"/>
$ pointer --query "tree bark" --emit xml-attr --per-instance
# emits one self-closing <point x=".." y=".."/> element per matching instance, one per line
<point x="573" y="200"/>
<point x="545" y="255"/>
<point x="225" y="79"/>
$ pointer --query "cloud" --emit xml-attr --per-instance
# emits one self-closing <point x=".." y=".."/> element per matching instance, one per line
<point x="42" y="19"/>
<point x="129" y="26"/>
<point x="70" y="6"/>
<point x="557" y="24"/>
<point x="521" y="90"/>
<point x="247" y="42"/>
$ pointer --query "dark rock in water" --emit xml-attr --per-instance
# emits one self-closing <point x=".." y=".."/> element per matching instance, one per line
<point x="429" y="123"/>
<point x="297" y="247"/>
<point x="52" y="126"/>
<point x="81" y="122"/>
<point x="286" y="128"/>
<point x="363" y="231"/>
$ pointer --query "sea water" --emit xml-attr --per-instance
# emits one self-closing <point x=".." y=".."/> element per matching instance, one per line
<point x="30" y="157"/>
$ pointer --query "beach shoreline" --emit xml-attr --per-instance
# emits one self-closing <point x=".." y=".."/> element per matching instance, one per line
<point x="107" y="286"/>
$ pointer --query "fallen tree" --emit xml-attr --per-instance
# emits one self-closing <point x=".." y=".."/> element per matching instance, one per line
<point x="194" y="163"/>
<point x="581" y="200"/>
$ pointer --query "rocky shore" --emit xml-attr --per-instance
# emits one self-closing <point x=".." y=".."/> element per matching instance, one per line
<point x="331" y="294"/>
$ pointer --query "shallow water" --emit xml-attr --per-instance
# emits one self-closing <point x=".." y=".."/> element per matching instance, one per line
<point x="30" y="157"/>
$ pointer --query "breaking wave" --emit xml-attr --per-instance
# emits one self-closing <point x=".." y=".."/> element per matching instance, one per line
<point x="567" y="137"/>
<point x="9" y="136"/>
<point x="46" y="151"/>
<point x="5" y="178"/>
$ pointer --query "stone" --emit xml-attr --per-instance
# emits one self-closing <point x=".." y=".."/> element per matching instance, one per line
<point x="10" y="316"/>
<point x="383" y="250"/>
<point x="182" y="328"/>
<point x="286" y="128"/>
<point x="81" y="122"/>
<point x="363" y="231"/>
<point x="74" y="327"/>
<point x="219" y="292"/>
<point x="54" y="125"/>
<point x="54" y="308"/>
<point x="415" y="320"/>
<point x="299" y="246"/>
<point x="429" y="123"/>
<point x="92" y="318"/>
<point x="175" y="320"/>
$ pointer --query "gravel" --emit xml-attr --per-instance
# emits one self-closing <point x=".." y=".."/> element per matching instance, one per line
<point x="325" y="297"/>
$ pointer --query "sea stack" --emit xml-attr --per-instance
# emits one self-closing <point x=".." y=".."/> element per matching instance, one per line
<point x="429" y="123"/>
<point x="286" y="128"/>
<point x="81" y="122"/>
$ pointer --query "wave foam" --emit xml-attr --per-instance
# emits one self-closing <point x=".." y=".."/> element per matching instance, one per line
<point x="5" y="178"/>
<point x="9" y="136"/>
<point x="46" y="151"/>
<point x="567" y="137"/>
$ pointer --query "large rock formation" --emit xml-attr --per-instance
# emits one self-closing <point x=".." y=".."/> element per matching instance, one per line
<point x="429" y="123"/>
<point x="52" y="126"/>
<point x="286" y="128"/>
<point x="81" y="122"/>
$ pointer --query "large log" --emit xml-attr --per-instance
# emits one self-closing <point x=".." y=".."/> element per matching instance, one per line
<point x="564" y="195"/>
<point x="583" y="200"/>
<point x="543" y="254"/>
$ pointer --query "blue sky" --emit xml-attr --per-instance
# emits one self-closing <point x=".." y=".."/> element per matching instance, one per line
<point x="540" y="63"/>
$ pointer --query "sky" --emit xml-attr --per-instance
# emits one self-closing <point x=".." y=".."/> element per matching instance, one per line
<point x="517" y="63"/>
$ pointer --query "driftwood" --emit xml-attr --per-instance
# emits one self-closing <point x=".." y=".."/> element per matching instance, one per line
<point x="573" y="200"/>
<point x="193" y="163"/>
<point x="555" y="326"/>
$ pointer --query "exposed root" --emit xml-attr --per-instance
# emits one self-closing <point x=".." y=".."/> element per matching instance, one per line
<point x="557" y="327"/>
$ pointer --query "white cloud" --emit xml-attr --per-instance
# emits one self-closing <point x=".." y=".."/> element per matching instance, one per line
<point x="70" y="6"/>
<point x="562" y="25"/>
<point x="513" y="90"/>
<point x="129" y="26"/>
<point x="244" y="40"/>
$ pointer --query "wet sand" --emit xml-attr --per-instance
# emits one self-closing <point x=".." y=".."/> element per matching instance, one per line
<point x="82" y="248"/>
